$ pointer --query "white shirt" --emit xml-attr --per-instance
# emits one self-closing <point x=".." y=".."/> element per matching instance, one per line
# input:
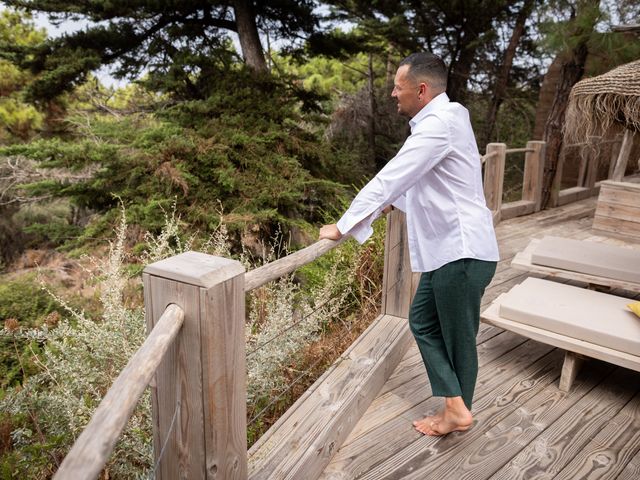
<point x="436" y="179"/>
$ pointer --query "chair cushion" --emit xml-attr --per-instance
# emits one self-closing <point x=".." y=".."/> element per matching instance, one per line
<point x="594" y="317"/>
<point x="592" y="258"/>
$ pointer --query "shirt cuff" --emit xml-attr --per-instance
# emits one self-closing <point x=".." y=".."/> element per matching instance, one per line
<point x="362" y="230"/>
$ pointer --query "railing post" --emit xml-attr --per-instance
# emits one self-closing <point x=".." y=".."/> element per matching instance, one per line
<point x="494" y="177"/>
<point x="199" y="392"/>
<point x="623" y="156"/>
<point x="533" y="172"/>
<point x="399" y="283"/>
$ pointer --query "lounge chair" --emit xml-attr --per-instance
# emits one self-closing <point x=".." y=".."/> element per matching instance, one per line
<point x="583" y="322"/>
<point x="595" y="263"/>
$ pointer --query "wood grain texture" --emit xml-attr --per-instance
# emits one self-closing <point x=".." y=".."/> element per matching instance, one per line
<point x="425" y="453"/>
<point x="533" y="173"/>
<point x="494" y="175"/>
<point x="384" y="444"/>
<point x="506" y="438"/>
<point x="611" y="448"/>
<point x="570" y="368"/>
<point x="623" y="156"/>
<point x="399" y="281"/>
<point x="563" y="438"/>
<point x="276" y="269"/>
<point x="224" y="379"/>
<point x="300" y="444"/>
<point x="188" y="386"/>
<point x="516" y="209"/>
<point x="178" y="386"/>
<point x="380" y="442"/>
<point x="93" y="447"/>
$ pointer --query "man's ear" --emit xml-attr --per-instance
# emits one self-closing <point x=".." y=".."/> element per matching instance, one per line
<point x="423" y="89"/>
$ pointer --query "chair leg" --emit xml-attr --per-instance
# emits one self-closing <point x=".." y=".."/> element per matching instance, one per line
<point x="570" y="368"/>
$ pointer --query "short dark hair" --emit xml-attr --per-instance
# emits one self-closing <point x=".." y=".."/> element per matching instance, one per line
<point x="427" y="65"/>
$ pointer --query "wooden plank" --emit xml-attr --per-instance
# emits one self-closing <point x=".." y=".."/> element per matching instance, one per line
<point x="564" y="438"/>
<point x="631" y="470"/>
<point x="178" y="386"/>
<point x="481" y="457"/>
<point x="491" y="315"/>
<point x="528" y="364"/>
<point x="494" y="175"/>
<point x="618" y="195"/>
<point x="570" y="368"/>
<point x="399" y="281"/>
<point x="516" y="209"/>
<point x="182" y="390"/>
<point x="574" y="194"/>
<point x="623" y="156"/>
<point x="621" y="227"/>
<point x="92" y="449"/>
<point x="533" y="173"/>
<point x="611" y="448"/>
<point x="302" y="444"/>
<point x="276" y="269"/>
<point x="507" y="396"/>
<point x="629" y="213"/>
<point x="411" y="382"/>
<point x="224" y="378"/>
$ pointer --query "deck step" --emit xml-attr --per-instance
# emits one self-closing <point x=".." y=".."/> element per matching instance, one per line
<point x="306" y="437"/>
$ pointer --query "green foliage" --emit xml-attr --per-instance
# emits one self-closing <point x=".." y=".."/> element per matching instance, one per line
<point x="25" y="305"/>
<point x="244" y="146"/>
<point x="81" y="359"/>
<point x="180" y="44"/>
<point x="17" y="118"/>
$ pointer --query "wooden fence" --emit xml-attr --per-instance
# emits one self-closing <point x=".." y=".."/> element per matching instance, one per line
<point x="194" y="357"/>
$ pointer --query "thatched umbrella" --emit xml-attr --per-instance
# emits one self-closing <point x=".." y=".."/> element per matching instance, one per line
<point x="598" y="103"/>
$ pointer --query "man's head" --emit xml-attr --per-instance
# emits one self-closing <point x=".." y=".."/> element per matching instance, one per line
<point x="420" y="77"/>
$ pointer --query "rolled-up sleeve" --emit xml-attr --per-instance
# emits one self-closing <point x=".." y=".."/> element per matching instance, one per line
<point x="422" y="150"/>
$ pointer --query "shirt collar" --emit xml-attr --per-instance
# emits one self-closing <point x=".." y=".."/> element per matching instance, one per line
<point x="437" y="101"/>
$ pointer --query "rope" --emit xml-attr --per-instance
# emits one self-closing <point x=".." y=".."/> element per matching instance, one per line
<point x="289" y="387"/>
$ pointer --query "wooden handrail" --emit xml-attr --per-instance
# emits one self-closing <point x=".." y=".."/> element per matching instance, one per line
<point x="519" y="150"/>
<point x="91" y="450"/>
<point x="274" y="270"/>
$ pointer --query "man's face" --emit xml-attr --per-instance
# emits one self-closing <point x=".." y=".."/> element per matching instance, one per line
<point x="406" y="92"/>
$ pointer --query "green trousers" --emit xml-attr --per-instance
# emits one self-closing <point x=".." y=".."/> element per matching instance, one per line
<point x="444" y="318"/>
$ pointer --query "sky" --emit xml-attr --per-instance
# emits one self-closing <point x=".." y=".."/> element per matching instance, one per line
<point x="70" y="26"/>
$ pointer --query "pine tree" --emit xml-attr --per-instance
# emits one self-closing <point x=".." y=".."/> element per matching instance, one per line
<point x="184" y="41"/>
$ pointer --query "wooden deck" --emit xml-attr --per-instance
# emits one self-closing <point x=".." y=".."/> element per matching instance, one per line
<point x="525" y="427"/>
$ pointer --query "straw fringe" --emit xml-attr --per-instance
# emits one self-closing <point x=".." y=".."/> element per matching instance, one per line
<point x="597" y="103"/>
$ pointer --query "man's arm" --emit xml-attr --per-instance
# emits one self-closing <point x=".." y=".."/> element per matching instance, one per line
<point x="333" y="233"/>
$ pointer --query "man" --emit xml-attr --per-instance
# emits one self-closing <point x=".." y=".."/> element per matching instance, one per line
<point x="436" y="180"/>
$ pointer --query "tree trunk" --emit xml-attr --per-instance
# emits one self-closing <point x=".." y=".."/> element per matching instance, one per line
<point x="248" y="36"/>
<point x="570" y="73"/>
<point x="500" y="88"/>
<point x="457" y="84"/>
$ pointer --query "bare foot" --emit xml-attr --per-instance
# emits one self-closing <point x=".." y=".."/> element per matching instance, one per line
<point x="424" y="426"/>
<point x="455" y="417"/>
<point x="450" y="423"/>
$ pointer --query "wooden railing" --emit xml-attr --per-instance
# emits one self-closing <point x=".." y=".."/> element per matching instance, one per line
<point x="194" y="357"/>
<point x="93" y="447"/>
<point x="494" y="167"/>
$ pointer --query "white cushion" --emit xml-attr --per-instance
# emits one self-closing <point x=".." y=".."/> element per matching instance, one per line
<point x="588" y="257"/>
<point x="594" y="317"/>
